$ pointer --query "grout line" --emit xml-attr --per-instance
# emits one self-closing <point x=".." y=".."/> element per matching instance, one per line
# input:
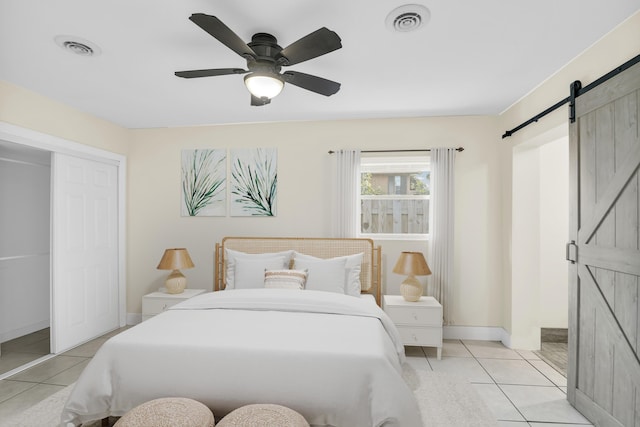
<point x="543" y="374"/>
<point x="498" y="385"/>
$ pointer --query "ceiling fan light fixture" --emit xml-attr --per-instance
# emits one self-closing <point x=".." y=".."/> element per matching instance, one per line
<point x="263" y="85"/>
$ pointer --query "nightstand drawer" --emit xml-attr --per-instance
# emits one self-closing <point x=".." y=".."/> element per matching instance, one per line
<point x="421" y="336"/>
<point x="152" y="306"/>
<point x="157" y="302"/>
<point x="408" y="315"/>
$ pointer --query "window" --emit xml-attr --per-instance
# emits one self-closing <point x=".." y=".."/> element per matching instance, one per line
<point x="394" y="197"/>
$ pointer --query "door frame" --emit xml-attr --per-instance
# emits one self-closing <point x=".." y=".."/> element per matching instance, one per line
<point x="524" y="327"/>
<point x="31" y="138"/>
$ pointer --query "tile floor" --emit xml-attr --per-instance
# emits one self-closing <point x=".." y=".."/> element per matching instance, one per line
<point x="518" y="387"/>
<point x="22" y="350"/>
<point x="32" y="385"/>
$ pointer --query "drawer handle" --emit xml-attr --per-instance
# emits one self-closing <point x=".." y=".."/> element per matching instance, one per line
<point x="415" y="316"/>
<point x="164" y="307"/>
<point x="414" y="337"/>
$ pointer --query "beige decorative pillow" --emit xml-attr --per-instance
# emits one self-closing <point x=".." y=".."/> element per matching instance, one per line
<point x="285" y="279"/>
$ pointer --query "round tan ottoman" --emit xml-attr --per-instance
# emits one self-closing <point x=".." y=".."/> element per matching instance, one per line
<point x="263" y="415"/>
<point x="168" y="412"/>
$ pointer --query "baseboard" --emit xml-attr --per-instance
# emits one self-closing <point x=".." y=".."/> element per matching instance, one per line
<point x="480" y="333"/>
<point x="134" y="318"/>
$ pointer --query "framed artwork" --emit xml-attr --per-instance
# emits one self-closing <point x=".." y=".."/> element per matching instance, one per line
<point x="254" y="181"/>
<point x="204" y="183"/>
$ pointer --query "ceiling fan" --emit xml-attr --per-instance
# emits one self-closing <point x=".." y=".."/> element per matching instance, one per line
<point x="265" y="58"/>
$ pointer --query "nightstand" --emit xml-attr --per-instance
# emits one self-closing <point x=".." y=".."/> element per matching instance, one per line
<point x="157" y="302"/>
<point x="419" y="323"/>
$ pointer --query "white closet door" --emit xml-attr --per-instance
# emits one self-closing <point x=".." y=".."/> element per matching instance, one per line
<point x="85" y="250"/>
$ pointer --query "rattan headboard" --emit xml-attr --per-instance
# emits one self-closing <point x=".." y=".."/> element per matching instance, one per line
<point x="316" y="246"/>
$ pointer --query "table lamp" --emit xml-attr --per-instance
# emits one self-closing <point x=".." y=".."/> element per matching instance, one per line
<point x="175" y="259"/>
<point x="411" y="264"/>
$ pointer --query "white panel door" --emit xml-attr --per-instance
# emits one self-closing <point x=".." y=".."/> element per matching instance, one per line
<point x="85" y="250"/>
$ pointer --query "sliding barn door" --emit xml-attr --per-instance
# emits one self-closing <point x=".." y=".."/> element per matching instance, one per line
<point x="604" y="326"/>
<point x="85" y="272"/>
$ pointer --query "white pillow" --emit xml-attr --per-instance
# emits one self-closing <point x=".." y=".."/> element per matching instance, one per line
<point x="285" y="279"/>
<point x="324" y="274"/>
<point x="249" y="273"/>
<point x="230" y="257"/>
<point x="353" y="286"/>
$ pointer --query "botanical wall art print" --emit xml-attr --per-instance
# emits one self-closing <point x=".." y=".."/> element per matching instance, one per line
<point x="204" y="182"/>
<point x="254" y="181"/>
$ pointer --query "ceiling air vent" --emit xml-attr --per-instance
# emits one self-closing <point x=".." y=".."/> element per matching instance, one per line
<point x="77" y="45"/>
<point x="409" y="17"/>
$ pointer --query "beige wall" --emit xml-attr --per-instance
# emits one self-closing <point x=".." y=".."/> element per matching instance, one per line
<point x="554" y="229"/>
<point x="21" y="107"/>
<point x="304" y="199"/>
<point x="619" y="46"/>
<point x="305" y="182"/>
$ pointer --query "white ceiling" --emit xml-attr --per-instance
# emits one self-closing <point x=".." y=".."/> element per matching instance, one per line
<point x="472" y="58"/>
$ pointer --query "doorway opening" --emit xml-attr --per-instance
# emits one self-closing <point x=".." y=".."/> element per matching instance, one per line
<point x="540" y="228"/>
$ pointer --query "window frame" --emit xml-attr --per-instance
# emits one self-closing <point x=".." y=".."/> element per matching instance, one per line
<point x="422" y="160"/>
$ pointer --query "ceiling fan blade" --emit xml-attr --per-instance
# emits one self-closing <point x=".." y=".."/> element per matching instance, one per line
<point x="256" y="102"/>
<point x="313" y="83"/>
<point x="312" y="45"/>
<point x="222" y="33"/>
<point x="208" y="73"/>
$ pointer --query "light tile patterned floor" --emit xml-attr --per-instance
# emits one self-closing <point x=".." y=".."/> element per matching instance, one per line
<point x="32" y="385"/>
<point x="520" y="389"/>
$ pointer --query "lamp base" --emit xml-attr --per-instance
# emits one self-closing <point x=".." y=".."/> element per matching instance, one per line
<point x="411" y="289"/>
<point x="176" y="282"/>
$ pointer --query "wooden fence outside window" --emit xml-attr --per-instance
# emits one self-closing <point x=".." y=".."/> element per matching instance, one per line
<point x="394" y="215"/>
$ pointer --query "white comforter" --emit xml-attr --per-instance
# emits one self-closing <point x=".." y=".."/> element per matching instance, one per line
<point x="333" y="358"/>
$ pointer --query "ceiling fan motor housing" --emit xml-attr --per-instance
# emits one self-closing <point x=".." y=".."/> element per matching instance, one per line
<point x="265" y="59"/>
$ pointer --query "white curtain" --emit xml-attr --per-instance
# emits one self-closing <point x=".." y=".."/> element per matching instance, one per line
<point x="442" y="198"/>
<point x="346" y="194"/>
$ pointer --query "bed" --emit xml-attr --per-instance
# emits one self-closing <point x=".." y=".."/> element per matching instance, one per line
<point x="333" y="357"/>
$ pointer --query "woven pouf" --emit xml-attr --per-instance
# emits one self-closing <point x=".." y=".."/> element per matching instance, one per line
<point x="168" y="412"/>
<point x="263" y="415"/>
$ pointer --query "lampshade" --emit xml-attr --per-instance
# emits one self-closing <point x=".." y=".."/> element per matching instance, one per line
<point x="412" y="264"/>
<point x="263" y="85"/>
<point x="175" y="259"/>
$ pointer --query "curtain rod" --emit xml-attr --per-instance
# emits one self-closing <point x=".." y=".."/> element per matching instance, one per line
<point x="576" y="91"/>
<point x="398" y="151"/>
